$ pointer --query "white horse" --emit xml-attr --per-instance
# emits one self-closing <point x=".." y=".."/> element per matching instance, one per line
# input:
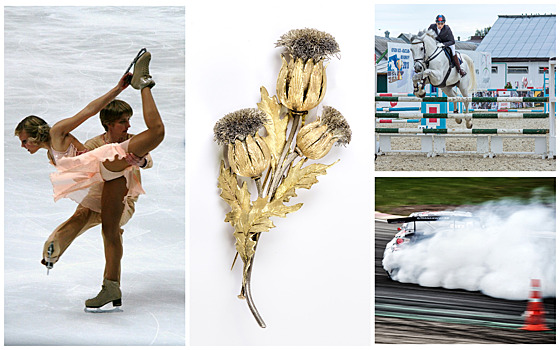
<point x="432" y="64"/>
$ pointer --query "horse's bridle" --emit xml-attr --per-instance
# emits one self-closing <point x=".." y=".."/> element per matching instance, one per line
<point x="425" y="62"/>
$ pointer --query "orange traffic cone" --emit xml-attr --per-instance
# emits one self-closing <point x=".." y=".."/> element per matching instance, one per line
<point x="534" y="315"/>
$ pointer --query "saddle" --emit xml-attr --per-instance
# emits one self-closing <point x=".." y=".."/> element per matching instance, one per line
<point x="449" y="55"/>
<point x="451" y="66"/>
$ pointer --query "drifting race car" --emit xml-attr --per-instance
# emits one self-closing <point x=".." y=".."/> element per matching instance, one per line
<point x="421" y="226"/>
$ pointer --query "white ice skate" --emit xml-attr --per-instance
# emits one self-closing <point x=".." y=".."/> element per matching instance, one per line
<point x="110" y="293"/>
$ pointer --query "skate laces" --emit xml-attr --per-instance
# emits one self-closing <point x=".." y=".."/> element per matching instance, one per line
<point x="143" y="68"/>
<point x="102" y="291"/>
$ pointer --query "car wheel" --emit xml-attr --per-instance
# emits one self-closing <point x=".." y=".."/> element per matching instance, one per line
<point x="392" y="273"/>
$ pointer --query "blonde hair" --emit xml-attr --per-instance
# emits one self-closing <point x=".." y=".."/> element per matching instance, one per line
<point x="36" y="128"/>
<point x="113" y="112"/>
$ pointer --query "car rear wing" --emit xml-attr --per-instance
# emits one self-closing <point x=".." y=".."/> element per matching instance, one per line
<point x="424" y="218"/>
<point x="414" y="219"/>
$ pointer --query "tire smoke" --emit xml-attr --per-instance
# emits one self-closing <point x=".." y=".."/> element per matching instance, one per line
<point x="516" y="243"/>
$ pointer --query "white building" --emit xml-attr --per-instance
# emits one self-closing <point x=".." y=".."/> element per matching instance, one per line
<point x="521" y="47"/>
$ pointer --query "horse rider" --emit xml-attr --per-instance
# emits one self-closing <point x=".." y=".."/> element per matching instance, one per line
<point x="445" y="36"/>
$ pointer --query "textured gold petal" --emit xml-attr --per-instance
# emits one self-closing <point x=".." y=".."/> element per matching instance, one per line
<point x="256" y="157"/>
<point x="231" y="158"/>
<point x="307" y="70"/>
<point x="282" y="82"/>
<point x="296" y="86"/>
<point x="315" y="86"/>
<point x="241" y="157"/>
<point x="323" y="85"/>
<point x="320" y="148"/>
<point x="264" y="150"/>
<point x="303" y="133"/>
<point x="312" y="137"/>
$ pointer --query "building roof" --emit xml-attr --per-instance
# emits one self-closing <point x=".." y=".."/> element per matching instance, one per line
<point x="521" y="36"/>
<point x="381" y="44"/>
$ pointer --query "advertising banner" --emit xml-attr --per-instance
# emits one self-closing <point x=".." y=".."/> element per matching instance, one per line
<point x="399" y="68"/>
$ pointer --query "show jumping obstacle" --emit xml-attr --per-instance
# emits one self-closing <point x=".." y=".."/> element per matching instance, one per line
<point x="459" y="99"/>
<point x="489" y="141"/>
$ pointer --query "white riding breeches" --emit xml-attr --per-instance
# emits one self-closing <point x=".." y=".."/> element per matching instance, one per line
<point x="452" y="47"/>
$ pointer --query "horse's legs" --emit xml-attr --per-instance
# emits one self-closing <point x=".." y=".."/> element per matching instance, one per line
<point x="418" y="86"/>
<point x="433" y="75"/>
<point x="448" y="90"/>
<point x="464" y="87"/>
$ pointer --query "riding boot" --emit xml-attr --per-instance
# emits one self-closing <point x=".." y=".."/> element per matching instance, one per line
<point x="458" y="65"/>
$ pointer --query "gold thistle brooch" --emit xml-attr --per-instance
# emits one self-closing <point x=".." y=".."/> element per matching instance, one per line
<point x="275" y="162"/>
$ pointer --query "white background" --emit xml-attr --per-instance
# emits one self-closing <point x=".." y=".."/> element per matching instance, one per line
<point x="311" y="278"/>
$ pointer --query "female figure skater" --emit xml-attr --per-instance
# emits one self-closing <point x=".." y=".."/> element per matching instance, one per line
<point x="77" y="171"/>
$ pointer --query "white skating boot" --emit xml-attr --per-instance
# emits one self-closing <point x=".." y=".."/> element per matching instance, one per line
<point x="110" y="292"/>
<point x="141" y="77"/>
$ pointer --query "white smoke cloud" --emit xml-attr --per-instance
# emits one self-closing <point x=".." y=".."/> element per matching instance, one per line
<point x="516" y="244"/>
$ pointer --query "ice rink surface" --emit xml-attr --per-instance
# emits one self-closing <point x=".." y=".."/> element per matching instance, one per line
<point x="57" y="60"/>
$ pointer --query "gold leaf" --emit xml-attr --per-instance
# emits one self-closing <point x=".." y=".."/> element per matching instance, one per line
<point x="259" y="216"/>
<point x="299" y="177"/>
<point x="276" y="129"/>
<point x="257" y="220"/>
<point x="262" y="210"/>
<point x="239" y="199"/>
<point x="227" y="182"/>
<point x="245" y="245"/>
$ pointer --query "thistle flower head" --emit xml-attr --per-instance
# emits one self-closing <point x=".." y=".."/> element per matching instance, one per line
<point x="238" y="125"/>
<point x="316" y="139"/>
<point x="337" y="125"/>
<point x="308" y="43"/>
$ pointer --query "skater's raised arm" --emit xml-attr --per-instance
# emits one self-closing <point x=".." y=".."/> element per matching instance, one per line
<point x="60" y="132"/>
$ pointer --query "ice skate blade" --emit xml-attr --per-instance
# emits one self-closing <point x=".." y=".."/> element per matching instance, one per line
<point x="101" y="310"/>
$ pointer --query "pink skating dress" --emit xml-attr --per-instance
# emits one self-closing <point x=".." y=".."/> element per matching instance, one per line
<point x="80" y="177"/>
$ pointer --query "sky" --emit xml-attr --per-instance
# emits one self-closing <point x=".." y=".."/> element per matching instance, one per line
<point x="464" y="20"/>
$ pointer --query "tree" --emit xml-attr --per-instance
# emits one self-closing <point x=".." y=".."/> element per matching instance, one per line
<point x="482" y="32"/>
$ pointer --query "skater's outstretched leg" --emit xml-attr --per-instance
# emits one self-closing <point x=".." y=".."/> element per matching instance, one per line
<point x="82" y="220"/>
<point x="149" y="139"/>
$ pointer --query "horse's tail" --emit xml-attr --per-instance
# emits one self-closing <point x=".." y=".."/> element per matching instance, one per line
<point x="470" y="64"/>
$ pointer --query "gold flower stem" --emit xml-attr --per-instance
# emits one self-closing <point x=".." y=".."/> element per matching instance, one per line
<point x="296" y="124"/>
<point x="246" y="287"/>
<point x="258" y="183"/>
<point x="289" y="160"/>
<point x="268" y="172"/>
